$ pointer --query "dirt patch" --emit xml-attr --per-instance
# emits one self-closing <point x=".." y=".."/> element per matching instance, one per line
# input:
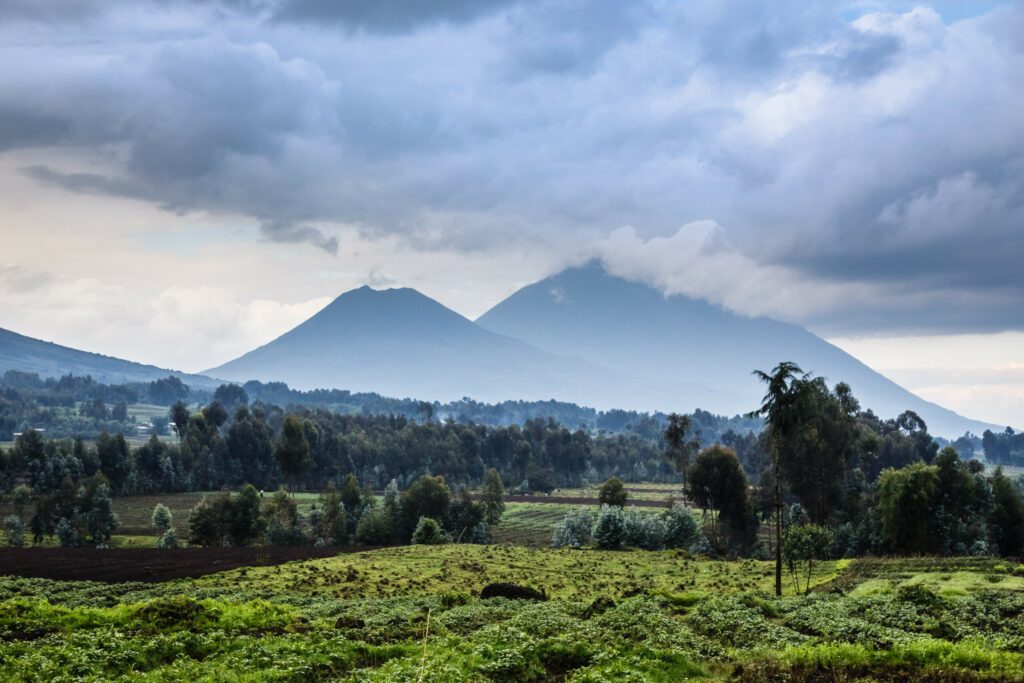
<point x="116" y="565"/>
<point x="574" y="500"/>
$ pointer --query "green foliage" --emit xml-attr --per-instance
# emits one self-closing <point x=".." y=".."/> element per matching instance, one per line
<point x="612" y="492"/>
<point x="907" y="499"/>
<point x="610" y="528"/>
<point x="802" y="544"/>
<point x="1007" y="516"/>
<point x="574" y="531"/>
<point x="68" y="534"/>
<point x="492" y="495"/>
<point x="169" y="539"/>
<point x="292" y="450"/>
<point x="374" y="527"/>
<point x="14" y="529"/>
<point x="681" y="529"/>
<point x="427" y="497"/>
<point x="429" y="532"/>
<point x="717" y="483"/>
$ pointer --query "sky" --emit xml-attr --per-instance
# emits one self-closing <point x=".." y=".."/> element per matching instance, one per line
<point x="181" y="181"/>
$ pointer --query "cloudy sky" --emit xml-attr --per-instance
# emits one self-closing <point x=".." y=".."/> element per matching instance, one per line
<point x="181" y="180"/>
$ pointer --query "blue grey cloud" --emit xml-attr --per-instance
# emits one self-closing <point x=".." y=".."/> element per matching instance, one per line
<point x="880" y="154"/>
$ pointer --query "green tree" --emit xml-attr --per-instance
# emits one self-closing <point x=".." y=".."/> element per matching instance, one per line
<point x="428" y="532"/>
<point x="612" y="492"/>
<point x="427" y="497"/>
<point x="20" y="499"/>
<point x="101" y="520"/>
<point x="115" y="459"/>
<point x="179" y="417"/>
<point x="14" y="528"/>
<point x="161" y="519"/>
<point x="333" y="526"/>
<point x="802" y="544"/>
<point x="292" y="451"/>
<point x="717" y="483"/>
<point x="1007" y="516"/>
<point x="779" y="409"/>
<point x="374" y="527"/>
<point x="492" y="497"/>
<point x="908" y="499"/>
<point x="245" y="525"/>
<point x="679" y="446"/>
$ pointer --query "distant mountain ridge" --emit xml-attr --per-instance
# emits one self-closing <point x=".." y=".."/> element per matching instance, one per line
<point x="581" y="336"/>
<point x="399" y="342"/>
<point x="632" y="327"/>
<point x="18" y="352"/>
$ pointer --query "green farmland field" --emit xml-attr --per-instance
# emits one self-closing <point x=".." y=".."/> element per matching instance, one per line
<point x="415" y="614"/>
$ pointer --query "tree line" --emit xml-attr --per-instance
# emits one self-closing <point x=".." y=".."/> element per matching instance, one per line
<point x="427" y="512"/>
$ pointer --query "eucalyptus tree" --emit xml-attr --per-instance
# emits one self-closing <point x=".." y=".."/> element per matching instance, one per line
<point x="679" y="442"/>
<point x="780" y="408"/>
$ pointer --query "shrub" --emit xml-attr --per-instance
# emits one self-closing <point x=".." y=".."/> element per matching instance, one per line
<point x="429" y="532"/>
<point x="610" y="528"/>
<point x="681" y="530"/>
<point x="574" y="530"/>
<point x="645" y="531"/>
<point x="168" y="540"/>
<point x="15" y="530"/>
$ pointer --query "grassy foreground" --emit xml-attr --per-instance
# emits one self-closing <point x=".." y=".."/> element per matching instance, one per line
<point x="414" y="614"/>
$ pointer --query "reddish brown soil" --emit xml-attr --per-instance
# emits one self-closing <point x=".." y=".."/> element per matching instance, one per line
<point x="146" y="564"/>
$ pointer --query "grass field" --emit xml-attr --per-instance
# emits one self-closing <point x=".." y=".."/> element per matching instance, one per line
<point x="414" y="614"/>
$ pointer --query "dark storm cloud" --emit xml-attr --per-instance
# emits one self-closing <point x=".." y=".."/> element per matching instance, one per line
<point x="21" y="128"/>
<point x="881" y="156"/>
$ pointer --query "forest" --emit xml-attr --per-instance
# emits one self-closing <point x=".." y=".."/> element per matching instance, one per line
<point x="851" y="483"/>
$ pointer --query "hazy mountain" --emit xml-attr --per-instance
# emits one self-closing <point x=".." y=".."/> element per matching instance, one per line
<point x="18" y="352"/>
<point x="399" y="342"/>
<point x="633" y="328"/>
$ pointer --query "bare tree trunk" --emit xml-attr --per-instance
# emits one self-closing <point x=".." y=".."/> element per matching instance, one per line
<point x="778" y="523"/>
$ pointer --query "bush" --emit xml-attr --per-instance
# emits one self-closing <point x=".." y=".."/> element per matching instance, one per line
<point x="168" y="540"/>
<point x="15" y="530"/>
<point x="646" y="531"/>
<point x="574" y="530"/>
<point x="681" y="530"/>
<point x="610" y="529"/>
<point x="429" y="532"/>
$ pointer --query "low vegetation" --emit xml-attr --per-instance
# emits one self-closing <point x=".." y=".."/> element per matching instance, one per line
<point x="416" y="613"/>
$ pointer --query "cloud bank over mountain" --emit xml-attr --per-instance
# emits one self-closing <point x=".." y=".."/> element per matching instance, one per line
<point x="873" y="153"/>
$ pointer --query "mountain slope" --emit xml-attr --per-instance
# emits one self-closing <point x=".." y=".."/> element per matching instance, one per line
<point x="399" y="342"/>
<point x="18" y="352"/>
<point x="632" y="327"/>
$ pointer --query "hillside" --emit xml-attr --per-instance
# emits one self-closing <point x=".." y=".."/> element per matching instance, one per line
<point x="399" y="342"/>
<point x="632" y="327"/>
<point x="18" y="352"/>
